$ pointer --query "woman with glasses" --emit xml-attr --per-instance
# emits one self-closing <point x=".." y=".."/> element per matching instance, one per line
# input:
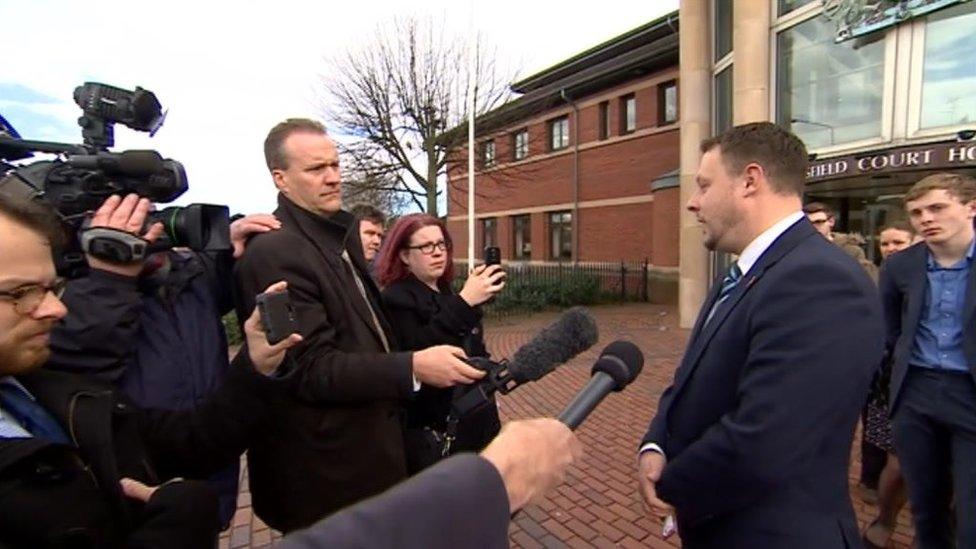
<point x="415" y="269"/>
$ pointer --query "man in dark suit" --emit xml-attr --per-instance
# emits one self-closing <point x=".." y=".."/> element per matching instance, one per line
<point x="337" y="436"/>
<point x="929" y="296"/>
<point x="750" y="444"/>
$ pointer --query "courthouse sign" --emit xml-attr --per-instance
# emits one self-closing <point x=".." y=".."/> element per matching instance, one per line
<point x="936" y="156"/>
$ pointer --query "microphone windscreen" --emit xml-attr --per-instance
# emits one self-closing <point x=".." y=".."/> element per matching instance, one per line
<point x="621" y="360"/>
<point x="139" y="163"/>
<point x="572" y="333"/>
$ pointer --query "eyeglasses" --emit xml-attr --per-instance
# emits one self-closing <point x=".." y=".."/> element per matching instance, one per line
<point x="428" y="248"/>
<point x="28" y="298"/>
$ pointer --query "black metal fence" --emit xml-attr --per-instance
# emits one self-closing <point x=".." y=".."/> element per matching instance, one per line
<point x="537" y="286"/>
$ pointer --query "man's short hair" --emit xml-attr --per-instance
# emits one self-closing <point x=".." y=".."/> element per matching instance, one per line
<point x="274" y="150"/>
<point x="33" y="213"/>
<point x="781" y="154"/>
<point x="369" y="213"/>
<point x="816" y="207"/>
<point x="961" y="187"/>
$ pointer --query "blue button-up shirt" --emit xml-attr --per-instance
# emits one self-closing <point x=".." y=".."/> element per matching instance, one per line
<point x="10" y="427"/>
<point x="938" y="339"/>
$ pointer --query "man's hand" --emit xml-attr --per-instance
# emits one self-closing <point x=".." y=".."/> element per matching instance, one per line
<point x="650" y="465"/>
<point x="266" y="357"/>
<point x="532" y="456"/>
<point x="441" y="366"/>
<point x="124" y="214"/>
<point x="249" y="225"/>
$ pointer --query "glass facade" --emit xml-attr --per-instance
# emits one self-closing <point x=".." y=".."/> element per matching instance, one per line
<point x="828" y="93"/>
<point x="949" y="68"/>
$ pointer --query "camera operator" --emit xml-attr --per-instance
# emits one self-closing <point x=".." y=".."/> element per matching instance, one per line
<point x="153" y="328"/>
<point x="416" y="270"/>
<point x="66" y="441"/>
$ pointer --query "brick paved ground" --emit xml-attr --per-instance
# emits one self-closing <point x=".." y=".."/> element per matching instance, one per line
<point x="598" y="506"/>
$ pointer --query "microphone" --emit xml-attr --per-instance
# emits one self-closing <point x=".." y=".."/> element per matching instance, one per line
<point x="618" y="365"/>
<point x="131" y="163"/>
<point x="572" y="333"/>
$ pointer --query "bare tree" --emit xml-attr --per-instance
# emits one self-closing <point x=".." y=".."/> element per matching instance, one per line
<point x="391" y="101"/>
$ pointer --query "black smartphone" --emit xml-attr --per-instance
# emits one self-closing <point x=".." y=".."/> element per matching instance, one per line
<point x="493" y="255"/>
<point x="277" y="315"/>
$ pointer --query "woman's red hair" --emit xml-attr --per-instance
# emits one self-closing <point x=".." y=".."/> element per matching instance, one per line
<point x="389" y="267"/>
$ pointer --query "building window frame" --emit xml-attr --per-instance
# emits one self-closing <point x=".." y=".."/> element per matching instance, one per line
<point x="628" y="113"/>
<point x="718" y="67"/>
<point x="522" y="226"/>
<point x="802" y="15"/>
<point x="559" y="133"/>
<point x="488" y="153"/>
<point x="520" y="144"/>
<point x="662" y="110"/>
<point x="489" y="231"/>
<point x="603" y="122"/>
<point x="560" y="225"/>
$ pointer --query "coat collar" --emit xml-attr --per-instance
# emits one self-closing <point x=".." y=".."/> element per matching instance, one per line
<point x="332" y="233"/>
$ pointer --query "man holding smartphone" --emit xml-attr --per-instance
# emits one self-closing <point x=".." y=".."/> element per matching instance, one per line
<point x="338" y="436"/>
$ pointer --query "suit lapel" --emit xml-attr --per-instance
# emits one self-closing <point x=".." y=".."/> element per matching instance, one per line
<point x="969" y="305"/>
<point x="917" y="284"/>
<point x="704" y="334"/>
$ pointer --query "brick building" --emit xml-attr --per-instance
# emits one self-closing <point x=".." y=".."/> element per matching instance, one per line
<point x="581" y="167"/>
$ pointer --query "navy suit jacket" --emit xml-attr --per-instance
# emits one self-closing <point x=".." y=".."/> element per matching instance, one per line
<point x="904" y="288"/>
<point x="459" y="502"/>
<point x="757" y="425"/>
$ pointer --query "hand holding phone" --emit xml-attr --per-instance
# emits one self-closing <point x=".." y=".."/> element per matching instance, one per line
<point x="277" y="315"/>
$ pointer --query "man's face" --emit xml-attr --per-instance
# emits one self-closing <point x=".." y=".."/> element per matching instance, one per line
<point x="822" y="222"/>
<point x="372" y="236"/>
<point x="893" y="240"/>
<point x="941" y="218"/>
<point x="25" y="260"/>
<point x="312" y="178"/>
<point x="716" y="204"/>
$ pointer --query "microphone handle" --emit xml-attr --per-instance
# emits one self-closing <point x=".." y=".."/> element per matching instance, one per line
<point x="600" y="385"/>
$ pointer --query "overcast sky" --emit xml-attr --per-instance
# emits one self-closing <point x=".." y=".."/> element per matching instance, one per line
<point x="228" y="71"/>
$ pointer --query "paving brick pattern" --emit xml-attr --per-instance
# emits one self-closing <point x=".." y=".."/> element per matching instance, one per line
<point x="598" y="506"/>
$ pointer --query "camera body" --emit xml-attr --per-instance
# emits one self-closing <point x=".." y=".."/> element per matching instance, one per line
<point x="82" y="176"/>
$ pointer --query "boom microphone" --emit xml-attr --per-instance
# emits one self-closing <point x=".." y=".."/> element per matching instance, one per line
<point x="572" y="333"/>
<point x="618" y="365"/>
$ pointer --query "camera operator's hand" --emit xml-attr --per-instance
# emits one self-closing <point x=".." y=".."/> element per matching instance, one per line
<point x="124" y="214"/>
<point x="441" y="366"/>
<point x="484" y="281"/>
<point x="266" y="357"/>
<point x="249" y="225"/>
<point x="532" y="457"/>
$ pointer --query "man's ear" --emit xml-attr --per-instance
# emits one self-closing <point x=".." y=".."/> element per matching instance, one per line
<point x="279" y="180"/>
<point x="753" y="177"/>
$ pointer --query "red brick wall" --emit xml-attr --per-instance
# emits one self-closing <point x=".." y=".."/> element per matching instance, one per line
<point x="664" y="226"/>
<point x="617" y="233"/>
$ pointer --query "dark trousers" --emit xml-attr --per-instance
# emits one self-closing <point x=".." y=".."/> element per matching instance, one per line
<point x="934" y="428"/>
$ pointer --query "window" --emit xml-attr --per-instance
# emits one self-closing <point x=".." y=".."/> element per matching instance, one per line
<point x="520" y="144"/>
<point x="522" y="236"/>
<point x="723" y="28"/>
<point x="489" y="230"/>
<point x="723" y="101"/>
<point x="561" y="235"/>
<point x="667" y="100"/>
<point x="828" y="93"/>
<point x="559" y="133"/>
<point x="785" y="6"/>
<point x="488" y="153"/>
<point x="628" y="113"/>
<point x="604" y="121"/>
<point x="948" y="71"/>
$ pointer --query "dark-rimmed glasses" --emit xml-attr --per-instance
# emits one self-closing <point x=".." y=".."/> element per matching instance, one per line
<point x="28" y="298"/>
<point x="428" y="248"/>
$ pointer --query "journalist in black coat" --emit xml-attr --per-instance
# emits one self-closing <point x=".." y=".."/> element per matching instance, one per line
<point x="751" y="443"/>
<point x="335" y="435"/>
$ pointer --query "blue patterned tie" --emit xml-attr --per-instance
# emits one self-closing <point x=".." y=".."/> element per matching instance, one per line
<point x="729" y="283"/>
<point x="31" y="415"/>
